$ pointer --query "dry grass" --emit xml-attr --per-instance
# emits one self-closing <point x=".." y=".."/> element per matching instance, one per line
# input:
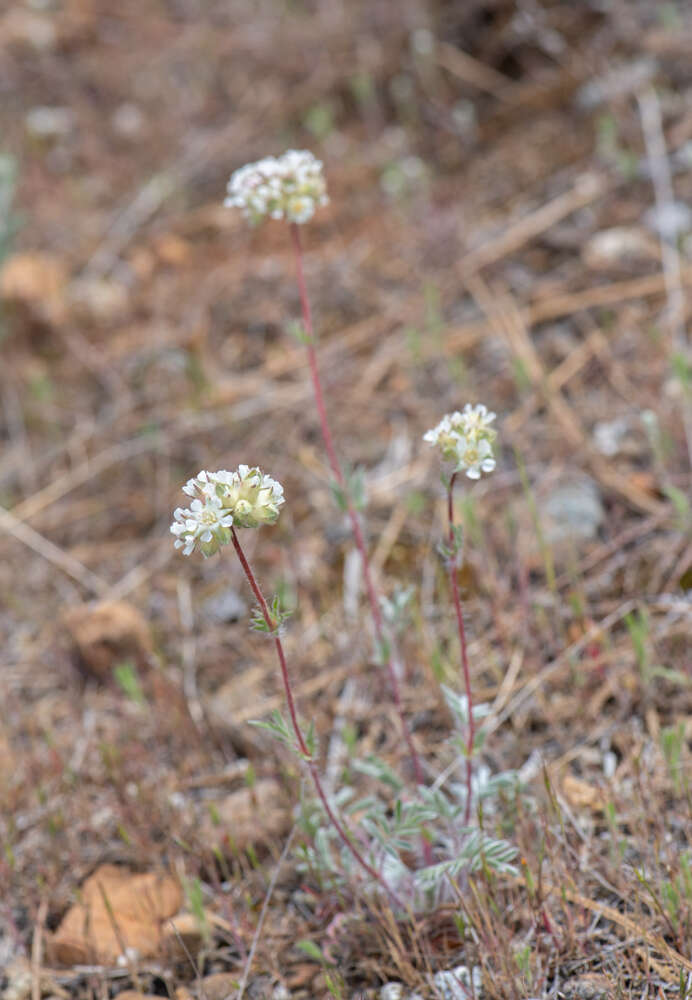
<point x="161" y="349"/>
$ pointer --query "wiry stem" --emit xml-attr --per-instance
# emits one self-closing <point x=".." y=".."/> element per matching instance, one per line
<point x="352" y="513"/>
<point x="452" y="567"/>
<point x="297" y="732"/>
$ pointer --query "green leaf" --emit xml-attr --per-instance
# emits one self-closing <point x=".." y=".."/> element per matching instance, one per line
<point x="278" y="727"/>
<point x="125" y="674"/>
<point x="310" y="949"/>
<point x="296" y="329"/>
<point x="679" y="500"/>
<point x="376" y="768"/>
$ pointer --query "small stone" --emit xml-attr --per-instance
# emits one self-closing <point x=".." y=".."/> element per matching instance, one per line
<point x="465" y="119"/>
<point x="620" y="81"/>
<point x="609" y="434"/>
<point x="423" y="42"/>
<point x="135" y="995"/>
<point x="219" y="985"/>
<point x="182" y="993"/>
<point x="588" y="987"/>
<point x="572" y="511"/>
<point x="581" y="795"/>
<point x="682" y="157"/>
<point x="49" y="123"/>
<point x="226" y="606"/>
<point x="33" y="283"/>
<point x="33" y="29"/>
<point x="456" y="984"/>
<point x="99" y="299"/>
<point x="172" y="250"/>
<point x="128" y="121"/>
<point x="610" y="763"/>
<point x="392" y="991"/>
<point x="671" y="221"/>
<point x="618" y="247"/>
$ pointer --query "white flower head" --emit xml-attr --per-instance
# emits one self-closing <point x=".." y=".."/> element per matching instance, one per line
<point x="475" y="456"/>
<point x="466" y="438"/>
<point x="245" y="498"/>
<point x="252" y="497"/>
<point x="477" y="420"/>
<point x="204" y="523"/>
<point x="288" y="187"/>
<point x="445" y="436"/>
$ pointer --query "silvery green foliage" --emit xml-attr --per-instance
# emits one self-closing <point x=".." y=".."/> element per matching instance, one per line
<point x="395" y="608"/>
<point x="458" y="705"/>
<point x="279" y="617"/>
<point x="353" y="490"/>
<point x="393" y="822"/>
<point x="283" y="732"/>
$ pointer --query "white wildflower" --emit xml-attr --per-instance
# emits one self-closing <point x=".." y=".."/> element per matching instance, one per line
<point x="205" y="523"/>
<point x="245" y="498"/>
<point x="251" y="496"/>
<point x="477" y="420"/>
<point x="475" y="455"/>
<point x="445" y="435"/>
<point x="290" y="186"/>
<point x="199" y="484"/>
<point x="466" y="438"/>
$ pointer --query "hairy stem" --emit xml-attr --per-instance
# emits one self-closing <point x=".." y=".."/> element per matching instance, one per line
<point x="337" y="471"/>
<point x="452" y="567"/>
<point x="297" y="732"/>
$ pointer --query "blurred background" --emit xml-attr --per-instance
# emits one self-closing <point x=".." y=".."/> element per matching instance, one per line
<point x="509" y="223"/>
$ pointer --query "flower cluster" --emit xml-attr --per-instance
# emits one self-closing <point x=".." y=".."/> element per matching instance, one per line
<point x="290" y="186"/>
<point x="466" y="439"/>
<point x="246" y="498"/>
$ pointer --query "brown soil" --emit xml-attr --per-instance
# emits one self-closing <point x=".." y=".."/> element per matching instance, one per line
<point x="475" y="155"/>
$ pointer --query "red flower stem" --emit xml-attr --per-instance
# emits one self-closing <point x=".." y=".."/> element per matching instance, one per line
<point x="300" y="740"/>
<point x="453" y="566"/>
<point x="271" y="625"/>
<point x="352" y="514"/>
